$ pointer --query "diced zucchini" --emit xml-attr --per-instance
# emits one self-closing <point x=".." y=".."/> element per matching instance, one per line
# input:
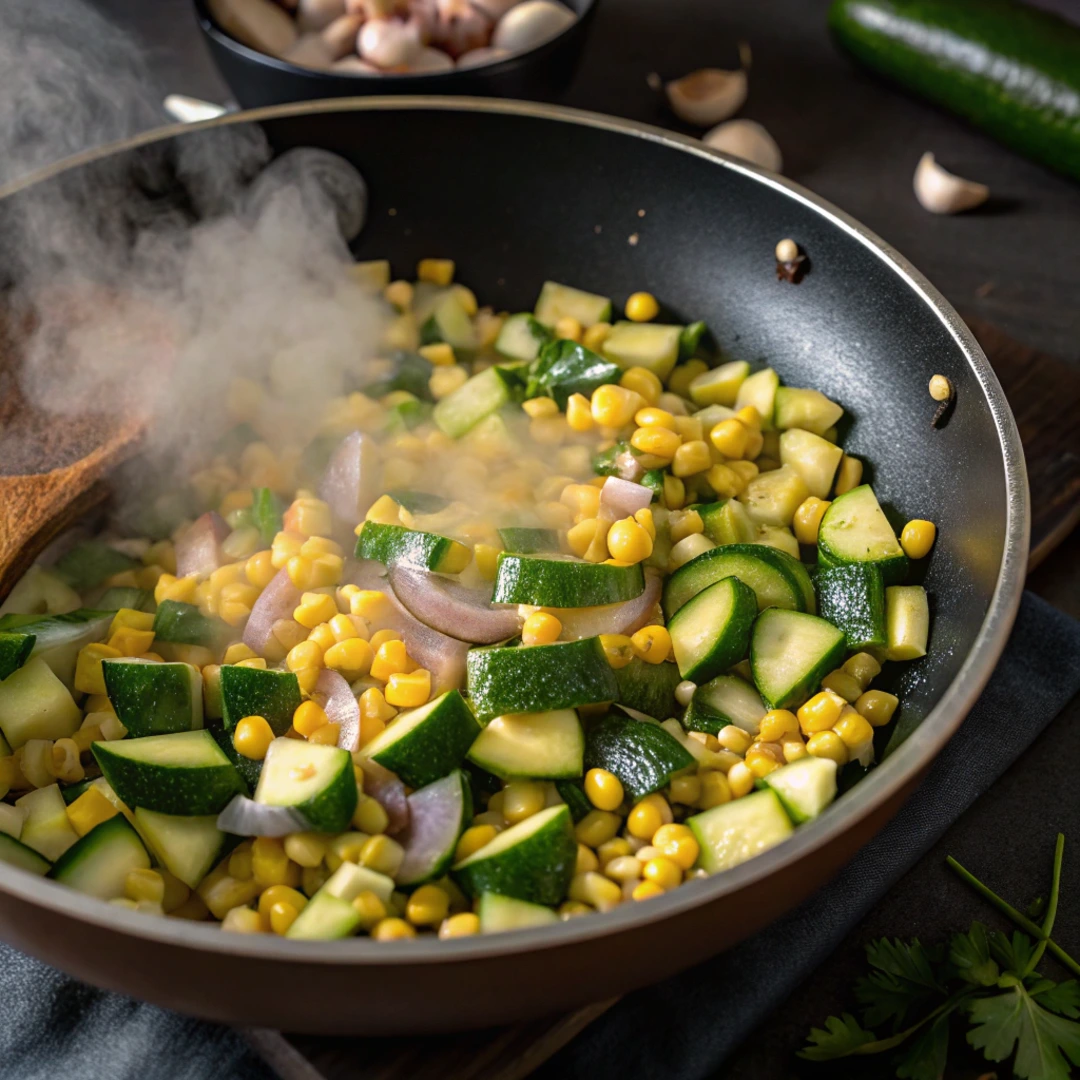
<point x="330" y="913"/>
<point x="907" y="618"/>
<point x="565" y="367"/>
<point x="727" y="699"/>
<point x="15" y="649"/>
<point x="779" y="537"/>
<point x="690" y="339"/>
<point x="542" y="745"/>
<point x="89" y="564"/>
<point x="438" y="814"/>
<point x="39" y="592"/>
<point x="46" y="828"/>
<point x="733" y="832"/>
<point x="815" y="459"/>
<point x="15" y="853"/>
<point x="499" y="914"/>
<point x="805" y="787"/>
<point x="98" y="864"/>
<point x="418" y="502"/>
<point x="392" y="544"/>
<point x="653" y="346"/>
<point x="759" y="390"/>
<point x="710" y="633"/>
<point x="524" y="541"/>
<point x="772" y="497"/>
<point x="563" y="301"/>
<point x="449" y="322"/>
<point x="152" y="698"/>
<point x="35" y="704"/>
<point x="855" y="529"/>
<point x="532" y="860"/>
<point x="727" y="522"/>
<point x="522" y="337"/>
<point x="188" y="847"/>
<point x="408" y="371"/>
<point x="481" y="396"/>
<point x="315" y="780"/>
<point x="59" y="638"/>
<point x="720" y="386"/>
<point x="126" y="596"/>
<point x="852" y="597"/>
<point x="649" y="688"/>
<point x="185" y="624"/>
<point x="572" y="792"/>
<point x="642" y="755"/>
<point x="810" y="410"/>
<point x="562" y="581"/>
<point x="273" y="695"/>
<point x="423" y="744"/>
<point x="790" y="653"/>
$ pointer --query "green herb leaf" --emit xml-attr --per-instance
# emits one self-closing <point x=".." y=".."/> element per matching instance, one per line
<point x="1063" y="998"/>
<point x="925" y="1058"/>
<point x="564" y="367"/>
<point x="969" y="954"/>
<point x="1012" y="953"/>
<point x="1041" y="1038"/>
<point x="841" y="1036"/>
<point x="903" y="978"/>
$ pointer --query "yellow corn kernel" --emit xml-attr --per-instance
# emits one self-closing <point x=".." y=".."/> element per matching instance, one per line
<point x="595" y="335"/>
<point x="346" y="847"/>
<point x="400" y="294"/>
<point x="445" y="380"/>
<point x="390" y="659"/>
<point x="740" y="780"/>
<point x="582" y="499"/>
<point x="317" y="573"/>
<point x="821" y="712"/>
<point x="569" y="328"/>
<point x="282" y="916"/>
<point x="174" y="588"/>
<point x="579" y="538"/>
<point x="604" y="789"/>
<point x="408" y="690"/>
<point x="808" y="519"/>
<point x="642" y="307"/>
<point x="440" y="354"/>
<point x="306" y="849"/>
<point x="280" y="894"/>
<point x="862" y="667"/>
<point x="684" y="523"/>
<point x="618" y="648"/>
<point x="347" y="627"/>
<point x="615" y="848"/>
<point x="236" y="652"/>
<point x="473" y="839"/>
<point x="597" y="827"/>
<point x="749" y="416"/>
<point x="83" y="739"/>
<point x="540" y="628"/>
<point x="141" y="884"/>
<point x="370" y="817"/>
<point x="840" y="682"/>
<point x="689" y="428"/>
<point x="643" y="820"/>
<point x="89" y="678"/>
<point x="854" y="729"/>
<point x="658" y="441"/>
<point x="427" y="906"/>
<point x="685" y="790"/>
<point x="314" y="546"/>
<point x="827" y="744"/>
<point x="592" y="888"/>
<point x="286" y="544"/>
<point x="64" y="763"/>
<point x="644" y="517"/>
<point x="353" y="655"/>
<point x="662" y="871"/>
<point x="252" y="737"/>
<point x="644" y="382"/>
<point x="652" y="644"/>
<point x="614" y="406"/>
<point x="252" y="662"/>
<point x="674" y="492"/>
<point x="691" y="458"/>
<point x="162" y="554"/>
<point x="628" y="541"/>
<point x="677" y="843"/>
<point x="464" y="924"/>
<point x="242" y="920"/>
<point x="623" y="869"/>
<point x="522" y="799"/>
<point x="579" y="413"/>
<point x="731" y="438"/>
<point x="715" y="789"/>
<point x="761" y="759"/>
<point x="682" y="376"/>
<point x="270" y="865"/>
<point x="259" y="569"/>
<point x="309" y="717"/>
<point x="486" y="557"/>
<point x="191" y="907"/>
<point x="540" y="406"/>
<point x="652" y="417"/>
<point x="89" y="810"/>
<point x="327" y="735"/>
<point x="392" y="929"/>
<point x="307" y="654"/>
<point x="382" y="854"/>
<point x="323" y="636"/>
<point x="312" y="518"/>
<point x="646" y="890"/>
<point x="134" y="620"/>
<point x="918" y="538"/>
<point x="877" y="707"/>
<point x="222" y="894"/>
<point x="371" y="909"/>
<point x="586" y="860"/>
<point x="549" y="430"/>
<point x="848" y="475"/>
<point x="792" y="747"/>
<point x="375" y="714"/>
<point x="777" y="723"/>
<point x="369" y="604"/>
<point x="435" y="271"/>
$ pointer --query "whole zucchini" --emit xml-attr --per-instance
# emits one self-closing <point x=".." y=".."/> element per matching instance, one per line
<point x="1010" y="69"/>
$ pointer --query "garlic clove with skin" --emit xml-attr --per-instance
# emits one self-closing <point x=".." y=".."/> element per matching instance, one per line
<point x="708" y="96"/>
<point x="942" y="192"/>
<point x="486" y="55"/>
<point x="459" y="27"/>
<point x="748" y="140"/>
<point x="495" y="9"/>
<point x="309" y="51"/>
<point x="531" y="23"/>
<point x="429" y="61"/>
<point x="388" y="43"/>
<point x="340" y="36"/>
<point x="315" y="15"/>
<point x="260" y="24"/>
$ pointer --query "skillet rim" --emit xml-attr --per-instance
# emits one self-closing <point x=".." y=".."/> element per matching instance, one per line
<point x="899" y="769"/>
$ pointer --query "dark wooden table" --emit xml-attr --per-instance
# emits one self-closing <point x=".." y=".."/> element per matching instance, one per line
<point x="1015" y="263"/>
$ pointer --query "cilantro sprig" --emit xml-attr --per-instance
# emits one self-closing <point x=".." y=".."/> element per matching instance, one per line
<point x="916" y="992"/>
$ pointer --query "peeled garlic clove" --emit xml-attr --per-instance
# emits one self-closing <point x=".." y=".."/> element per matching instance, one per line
<point x="429" y="61"/>
<point x="388" y="43"/>
<point x="708" y="96"/>
<point x="259" y="24"/>
<point x="315" y="15"/>
<point x="941" y="192"/>
<point x="495" y="9"/>
<point x="530" y="24"/>
<point x="340" y="36"/>
<point x="353" y="65"/>
<point x="310" y="51"/>
<point x="476" y="57"/>
<point x="748" y="140"/>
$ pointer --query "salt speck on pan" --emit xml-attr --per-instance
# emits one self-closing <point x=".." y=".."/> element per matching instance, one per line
<point x="633" y="239"/>
<point x="641" y="213"/>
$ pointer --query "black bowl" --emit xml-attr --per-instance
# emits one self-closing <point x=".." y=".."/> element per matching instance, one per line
<point x="257" y="79"/>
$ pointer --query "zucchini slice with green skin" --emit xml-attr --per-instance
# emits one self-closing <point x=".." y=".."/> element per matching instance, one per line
<point x="47" y="828"/>
<point x="126" y="596"/>
<point x="418" y="502"/>
<point x="330" y="914"/>
<point x="727" y="522"/>
<point x="521" y="337"/>
<point x="907" y="618"/>
<point x="449" y="322"/>
<point x="563" y="301"/>
<point x="727" y="699"/>
<point x="248" y="768"/>
<point x="482" y="395"/>
<point x="15" y="853"/>
<point x="573" y="794"/>
<point x="1008" y="68"/>
<point x="59" y="638"/>
<point x="533" y="746"/>
<point x="776" y="578"/>
<point x="561" y="581"/>
<point x="736" y="831"/>
<point x="710" y="633"/>
<point x="649" y="688"/>
<point x="15" y="650"/>
<point x="152" y="698"/>
<point x="652" y="346"/>
<point x="90" y="563"/>
<point x="499" y="914"/>
<point x="523" y="541"/>
<point x="188" y="847"/>
<point x="565" y="367"/>
<point x="98" y="864"/>
<point x="539" y="678"/>
<point x="273" y="695"/>
<point x="185" y="624"/>
<point x="438" y="814"/>
<point x="317" y="781"/>
<point x="185" y="773"/>
<point x="719" y="386"/>
<point x="790" y="653"/>
<point x="852" y="597"/>
<point x="35" y="704"/>
<point x="426" y="743"/>
<point x="805" y="787"/>
<point x="642" y="755"/>
<point x="532" y="860"/>
<point x="855" y="529"/>
<point x="391" y="544"/>
<point x="815" y="459"/>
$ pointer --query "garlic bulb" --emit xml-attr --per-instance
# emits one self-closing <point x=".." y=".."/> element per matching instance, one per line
<point x="708" y="96"/>
<point x="748" y="140"/>
<point x="941" y="192"/>
<point x="530" y="24"/>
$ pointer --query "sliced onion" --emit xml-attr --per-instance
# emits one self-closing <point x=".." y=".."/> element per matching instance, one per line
<point x="438" y="653"/>
<point x="277" y="601"/>
<point x="350" y="483"/>
<point x="388" y="791"/>
<point x="435" y="816"/>
<point x="624" y="618"/>
<point x="623" y="498"/>
<point x="339" y="703"/>
<point x="198" y="551"/>
<point x="628" y="466"/>
<point x="454" y="609"/>
<point x="245" y="817"/>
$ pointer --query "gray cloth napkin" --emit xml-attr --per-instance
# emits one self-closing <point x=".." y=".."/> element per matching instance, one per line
<point x="52" y="1028"/>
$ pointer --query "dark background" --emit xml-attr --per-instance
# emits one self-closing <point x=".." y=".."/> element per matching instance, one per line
<point x="1015" y="262"/>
